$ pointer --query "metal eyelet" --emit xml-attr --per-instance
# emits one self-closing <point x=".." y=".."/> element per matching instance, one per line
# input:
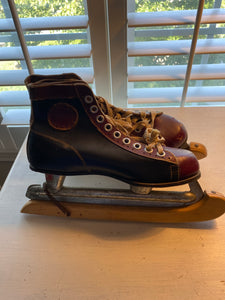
<point x="108" y="127"/>
<point x="149" y="151"/>
<point x="161" y="155"/>
<point x="100" y="119"/>
<point x="126" y="141"/>
<point x="94" y="109"/>
<point x="138" y="130"/>
<point x="116" y="134"/>
<point x="137" y="146"/>
<point x="88" y="99"/>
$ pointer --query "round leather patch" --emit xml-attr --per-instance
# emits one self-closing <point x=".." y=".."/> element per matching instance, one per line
<point x="62" y="116"/>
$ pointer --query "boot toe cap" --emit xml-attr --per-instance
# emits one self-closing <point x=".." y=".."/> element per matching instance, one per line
<point x="187" y="162"/>
<point x="171" y="129"/>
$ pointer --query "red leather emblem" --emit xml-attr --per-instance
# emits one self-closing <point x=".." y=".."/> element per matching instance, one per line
<point x="62" y="116"/>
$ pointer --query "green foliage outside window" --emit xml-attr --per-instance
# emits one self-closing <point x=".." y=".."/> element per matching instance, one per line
<point x="46" y="8"/>
<point x="171" y="5"/>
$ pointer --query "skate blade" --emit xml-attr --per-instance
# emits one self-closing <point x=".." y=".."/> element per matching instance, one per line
<point x="211" y="206"/>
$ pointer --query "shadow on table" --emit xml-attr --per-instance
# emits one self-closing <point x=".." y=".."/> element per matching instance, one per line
<point x="110" y="229"/>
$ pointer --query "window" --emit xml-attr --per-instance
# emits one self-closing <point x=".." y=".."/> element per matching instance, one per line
<point x="135" y="53"/>
<point x="160" y="35"/>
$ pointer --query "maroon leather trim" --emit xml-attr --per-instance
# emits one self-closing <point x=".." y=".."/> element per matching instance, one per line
<point x="174" y="132"/>
<point x="47" y="78"/>
<point x="50" y="91"/>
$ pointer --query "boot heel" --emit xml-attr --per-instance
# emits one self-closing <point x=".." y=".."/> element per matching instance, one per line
<point x="48" y="155"/>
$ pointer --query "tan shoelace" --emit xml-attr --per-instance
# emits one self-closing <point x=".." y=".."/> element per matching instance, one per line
<point x="131" y="124"/>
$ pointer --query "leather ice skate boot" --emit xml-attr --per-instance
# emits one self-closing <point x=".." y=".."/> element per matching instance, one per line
<point x="70" y="134"/>
<point x="136" y="123"/>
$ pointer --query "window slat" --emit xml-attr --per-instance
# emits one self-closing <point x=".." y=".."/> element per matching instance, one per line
<point x="45" y="37"/>
<point x="14" y="98"/>
<point x="16" y="77"/>
<point x="46" y="23"/>
<point x="47" y="52"/>
<point x="149" y="95"/>
<point x="177" y="17"/>
<point x="167" y="73"/>
<point x="173" y="95"/>
<point x="145" y="33"/>
<point x="16" y="117"/>
<point x="175" y="47"/>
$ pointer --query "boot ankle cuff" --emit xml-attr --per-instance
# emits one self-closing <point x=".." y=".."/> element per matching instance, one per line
<point x="54" y="78"/>
<point x="50" y="91"/>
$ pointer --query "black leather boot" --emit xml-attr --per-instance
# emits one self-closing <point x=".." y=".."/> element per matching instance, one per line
<point x="70" y="134"/>
<point x="172" y="130"/>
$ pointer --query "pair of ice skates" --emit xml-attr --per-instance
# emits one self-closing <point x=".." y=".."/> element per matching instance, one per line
<point x="74" y="132"/>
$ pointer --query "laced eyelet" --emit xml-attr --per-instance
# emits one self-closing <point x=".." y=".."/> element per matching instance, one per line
<point x="100" y="119"/>
<point x="161" y="154"/>
<point x="108" y="127"/>
<point x="117" y="134"/>
<point x="137" y="146"/>
<point x="149" y="151"/>
<point x="88" y="99"/>
<point x="94" y="109"/>
<point x="138" y="130"/>
<point x="126" y="141"/>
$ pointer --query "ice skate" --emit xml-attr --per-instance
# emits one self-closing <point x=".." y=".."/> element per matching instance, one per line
<point x="70" y="134"/>
<point x="136" y="123"/>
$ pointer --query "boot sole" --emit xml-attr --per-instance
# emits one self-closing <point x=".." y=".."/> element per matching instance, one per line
<point x="131" y="182"/>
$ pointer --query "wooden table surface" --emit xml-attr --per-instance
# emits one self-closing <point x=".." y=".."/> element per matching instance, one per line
<point x="60" y="258"/>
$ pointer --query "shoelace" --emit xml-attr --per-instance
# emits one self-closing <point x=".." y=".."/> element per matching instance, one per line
<point x="137" y="125"/>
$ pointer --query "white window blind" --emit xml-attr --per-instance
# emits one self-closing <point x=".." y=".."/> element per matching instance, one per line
<point x="161" y="71"/>
<point x="133" y="53"/>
